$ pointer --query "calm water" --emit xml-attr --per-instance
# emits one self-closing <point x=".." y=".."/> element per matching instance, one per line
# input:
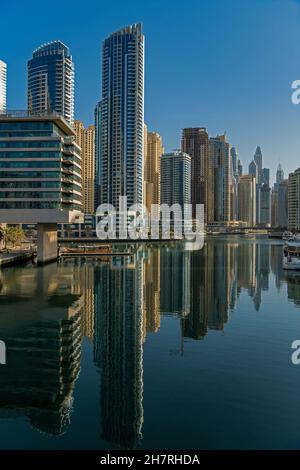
<point x="167" y="349"/>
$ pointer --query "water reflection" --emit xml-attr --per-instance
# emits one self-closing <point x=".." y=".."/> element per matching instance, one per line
<point x="45" y="313"/>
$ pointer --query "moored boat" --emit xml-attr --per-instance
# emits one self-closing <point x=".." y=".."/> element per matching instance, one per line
<point x="291" y="255"/>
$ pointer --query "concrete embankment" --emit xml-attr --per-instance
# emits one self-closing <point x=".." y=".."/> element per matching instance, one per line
<point x="10" y="259"/>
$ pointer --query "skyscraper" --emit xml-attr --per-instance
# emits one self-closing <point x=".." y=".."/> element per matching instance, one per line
<point x="121" y="127"/>
<point x="51" y="81"/>
<point x="98" y="160"/>
<point x="153" y="153"/>
<point x="175" y="178"/>
<point x="247" y="200"/>
<point x="265" y="205"/>
<point x="283" y="204"/>
<point x="3" y="73"/>
<point x="195" y="142"/>
<point x="85" y="138"/>
<point x="220" y="158"/>
<point x="258" y="161"/>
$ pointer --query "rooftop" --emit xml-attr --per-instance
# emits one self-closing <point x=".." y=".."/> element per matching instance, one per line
<point x="24" y="115"/>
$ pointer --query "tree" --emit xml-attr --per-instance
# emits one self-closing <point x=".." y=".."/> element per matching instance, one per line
<point x="12" y="235"/>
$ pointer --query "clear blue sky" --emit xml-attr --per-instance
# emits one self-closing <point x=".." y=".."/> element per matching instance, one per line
<point x="223" y="64"/>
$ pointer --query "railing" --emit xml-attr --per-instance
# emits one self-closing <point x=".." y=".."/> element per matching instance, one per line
<point x="26" y="113"/>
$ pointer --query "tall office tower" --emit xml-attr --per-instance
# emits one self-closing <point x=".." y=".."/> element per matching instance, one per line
<point x="294" y="200"/>
<point x="279" y="174"/>
<point x="265" y="176"/>
<point x="153" y="153"/>
<point x="195" y="142"/>
<point x="247" y="200"/>
<point x="51" y="81"/>
<point x="122" y="117"/>
<point x="265" y="205"/>
<point x="283" y="204"/>
<point x="3" y="74"/>
<point x="258" y="161"/>
<point x="98" y="160"/>
<point x="85" y="138"/>
<point x="175" y="177"/>
<point x="219" y="155"/>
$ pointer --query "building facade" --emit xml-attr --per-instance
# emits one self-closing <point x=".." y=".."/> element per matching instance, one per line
<point x="195" y="142"/>
<point x="265" y="205"/>
<point x="294" y="200"/>
<point x="85" y="138"/>
<point x="176" y="178"/>
<point x="283" y="204"/>
<point x="40" y="176"/>
<point x="153" y="152"/>
<point x="220" y="158"/>
<point x="51" y="81"/>
<point x="3" y="78"/>
<point x="247" y="199"/>
<point x="120" y="133"/>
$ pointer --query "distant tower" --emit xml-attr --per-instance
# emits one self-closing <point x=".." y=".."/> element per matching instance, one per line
<point x="253" y="170"/>
<point x="3" y="73"/>
<point x="51" y="81"/>
<point x="258" y="161"/>
<point x="279" y="174"/>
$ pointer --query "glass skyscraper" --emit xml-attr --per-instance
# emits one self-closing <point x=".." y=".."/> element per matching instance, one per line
<point x="121" y="132"/>
<point x="51" y="81"/>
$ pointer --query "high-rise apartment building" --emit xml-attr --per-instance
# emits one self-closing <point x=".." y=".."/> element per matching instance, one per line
<point x="247" y="199"/>
<point x="153" y="152"/>
<point x="51" y="81"/>
<point x="85" y="138"/>
<point x="294" y="200"/>
<point x="195" y="142"/>
<point x="3" y="77"/>
<point x="265" y="205"/>
<point x="220" y="158"/>
<point x="175" y="178"/>
<point x="282" y="199"/>
<point x="98" y="160"/>
<point x="121" y="127"/>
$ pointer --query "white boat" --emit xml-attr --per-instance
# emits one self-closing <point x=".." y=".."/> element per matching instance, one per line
<point x="287" y="235"/>
<point x="291" y="255"/>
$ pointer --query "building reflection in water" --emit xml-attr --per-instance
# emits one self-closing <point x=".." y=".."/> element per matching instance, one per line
<point x="118" y="348"/>
<point x="40" y="322"/>
<point x="46" y="312"/>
